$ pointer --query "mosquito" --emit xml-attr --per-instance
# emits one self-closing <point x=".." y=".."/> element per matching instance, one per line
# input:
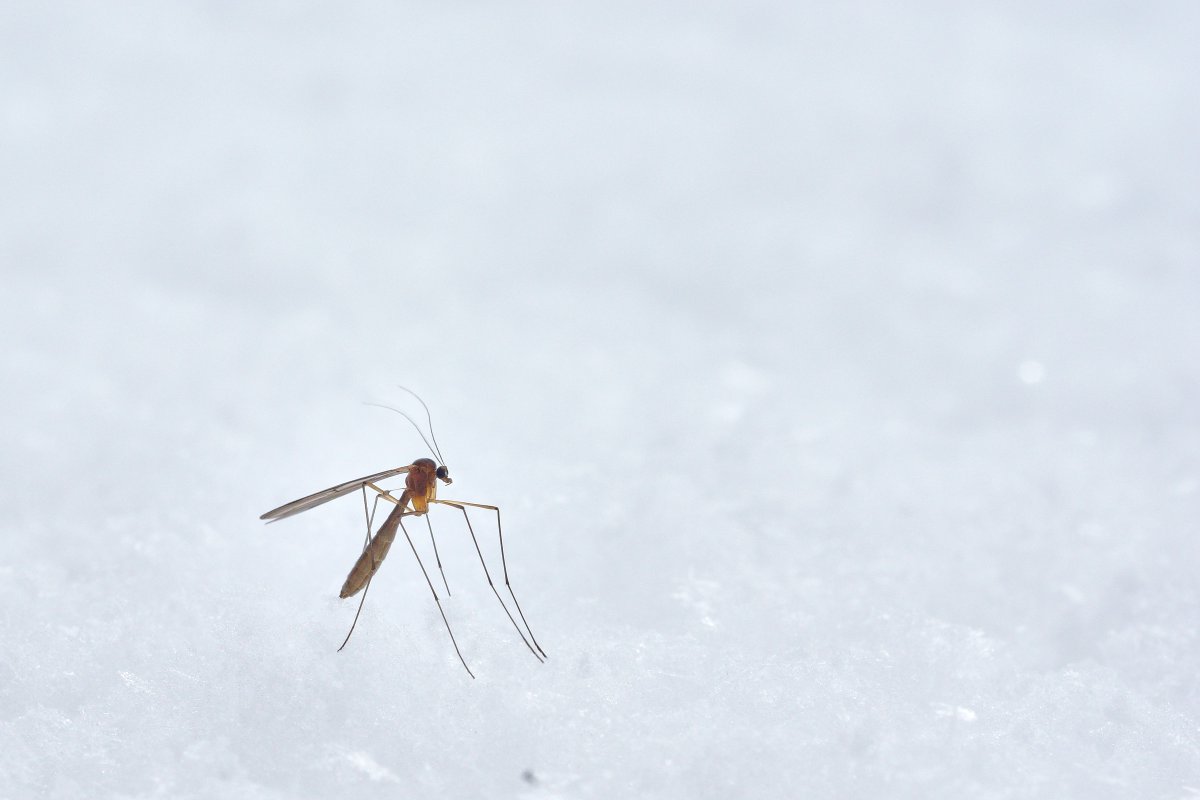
<point x="420" y="492"/>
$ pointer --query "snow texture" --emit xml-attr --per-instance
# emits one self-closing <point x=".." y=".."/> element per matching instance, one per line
<point x="835" y="366"/>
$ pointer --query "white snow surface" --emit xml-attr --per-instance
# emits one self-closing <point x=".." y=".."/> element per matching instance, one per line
<point x="835" y="367"/>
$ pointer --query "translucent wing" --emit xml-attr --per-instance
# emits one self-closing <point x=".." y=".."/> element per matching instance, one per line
<point x="332" y="493"/>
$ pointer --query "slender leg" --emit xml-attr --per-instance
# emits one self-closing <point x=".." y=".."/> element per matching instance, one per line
<point x="503" y="563"/>
<point x="488" y="575"/>
<point x="436" y="556"/>
<point x="369" y="518"/>
<point x="435" y="599"/>
<point x="386" y="495"/>
<point x="366" y="589"/>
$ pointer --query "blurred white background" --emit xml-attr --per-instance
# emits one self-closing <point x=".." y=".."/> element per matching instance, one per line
<point x="836" y="369"/>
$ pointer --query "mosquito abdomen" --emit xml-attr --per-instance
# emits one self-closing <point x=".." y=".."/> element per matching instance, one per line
<point x="374" y="555"/>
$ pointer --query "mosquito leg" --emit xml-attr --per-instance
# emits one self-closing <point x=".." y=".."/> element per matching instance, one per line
<point x="503" y="563"/>
<point x="488" y="575"/>
<point x="386" y="495"/>
<point x="370" y="520"/>
<point x="366" y="589"/>
<point x="436" y="556"/>
<point x="370" y="517"/>
<point x="435" y="599"/>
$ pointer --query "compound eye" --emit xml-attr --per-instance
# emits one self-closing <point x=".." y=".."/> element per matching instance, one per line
<point x="442" y="473"/>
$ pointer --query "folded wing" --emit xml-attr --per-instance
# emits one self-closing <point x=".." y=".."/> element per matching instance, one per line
<point x="332" y="493"/>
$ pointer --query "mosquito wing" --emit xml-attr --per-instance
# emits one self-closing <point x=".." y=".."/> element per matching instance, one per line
<point x="332" y="493"/>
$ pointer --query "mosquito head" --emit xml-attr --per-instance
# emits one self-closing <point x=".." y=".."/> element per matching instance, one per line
<point x="443" y="475"/>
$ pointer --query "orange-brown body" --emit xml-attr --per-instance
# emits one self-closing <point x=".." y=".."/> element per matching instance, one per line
<point x="420" y="485"/>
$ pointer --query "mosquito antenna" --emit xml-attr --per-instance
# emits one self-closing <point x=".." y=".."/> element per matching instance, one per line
<point x="412" y="422"/>
<point x="429" y="419"/>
